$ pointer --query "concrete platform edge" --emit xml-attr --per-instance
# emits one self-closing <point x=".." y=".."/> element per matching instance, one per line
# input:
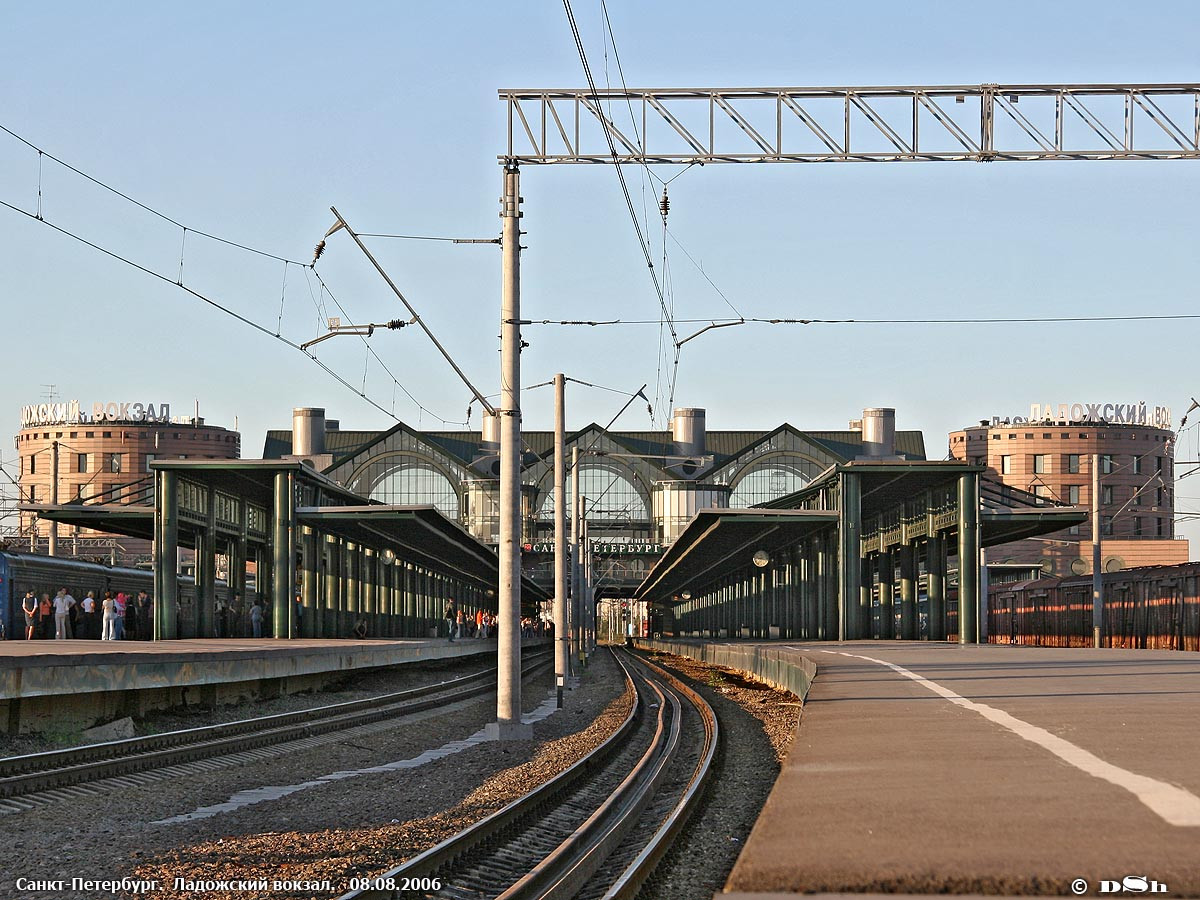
<point x="781" y="667"/>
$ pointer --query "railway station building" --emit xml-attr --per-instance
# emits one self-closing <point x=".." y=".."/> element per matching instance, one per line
<point x="73" y="453"/>
<point x="1049" y="455"/>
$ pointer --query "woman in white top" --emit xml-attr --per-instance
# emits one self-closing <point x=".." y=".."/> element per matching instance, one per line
<point x="110" y="616"/>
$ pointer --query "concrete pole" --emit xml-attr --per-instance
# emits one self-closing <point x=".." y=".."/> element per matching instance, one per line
<point x="887" y="596"/>
<point x="1097" y="573"/>
<point x="935" y="566"/>
<point x="562" y="646"/>
<point x="576" y="616"/>
<point x="53" y="545"/>
<point x="283" y="570"/>
<point x="508" y="725"/>
<point x="909" y="625"/>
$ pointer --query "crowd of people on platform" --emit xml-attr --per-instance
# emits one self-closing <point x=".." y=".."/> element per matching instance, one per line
<point x="481" y="625"/>
<point x="114" y="617"/>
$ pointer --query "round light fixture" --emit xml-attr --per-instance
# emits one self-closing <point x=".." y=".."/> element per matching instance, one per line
<point x="686" y="595"/>
<point x="387" y="557"/>
<point x="761" y="558"/>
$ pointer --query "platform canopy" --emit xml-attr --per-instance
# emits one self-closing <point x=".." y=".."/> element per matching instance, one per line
<point x="718" y="540"/>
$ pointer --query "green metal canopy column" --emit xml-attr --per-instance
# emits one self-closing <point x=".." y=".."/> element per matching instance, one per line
<point x="887" y="595"/>
<point x="968" y="558"/>
<point x="849" y="552"/>
<point x="935" y="570"/>
<point x="284" y="545"/>
<point x="908" y="591"/>
<point x="166" y="553"/>
<point x="310" y="627"/>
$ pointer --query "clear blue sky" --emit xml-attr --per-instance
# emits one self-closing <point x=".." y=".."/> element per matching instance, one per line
<point x="249" y="121"/>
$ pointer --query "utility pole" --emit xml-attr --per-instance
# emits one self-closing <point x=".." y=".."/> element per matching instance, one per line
<point x="53" y="548"/>
<point x="562" y="649"/>
<point x="1097" y="575"/>
<point x="508" y="724"/>
<point x="576" y="556"/>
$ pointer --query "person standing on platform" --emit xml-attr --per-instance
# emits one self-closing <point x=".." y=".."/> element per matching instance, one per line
<point x="45" y="618"/>
<point x="146" y="615"/>
<point x="131" y="621"/>
<point x="62" y="615"/>
<point x="88" y="621"/>
<point x="222" y="618"/>
<point x="299" y="608"/>
<point x="451" y="617"/>
<point x="119" y="623"/>
<point x="108" y="609"/>
<point x="29" y="606"/>
<point x="256" y="619"/>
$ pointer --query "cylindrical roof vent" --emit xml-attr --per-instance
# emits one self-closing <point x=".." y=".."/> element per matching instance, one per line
<point x="491" y="431"/>
<point x="879" y="433"/>
<point x="308" y="431"/>
<point x="687" y="432"/>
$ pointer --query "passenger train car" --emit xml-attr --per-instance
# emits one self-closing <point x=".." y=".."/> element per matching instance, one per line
<point x="21" y="572"/>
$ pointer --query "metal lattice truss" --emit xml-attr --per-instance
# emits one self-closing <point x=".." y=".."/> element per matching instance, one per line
<point x="977" y="123"/>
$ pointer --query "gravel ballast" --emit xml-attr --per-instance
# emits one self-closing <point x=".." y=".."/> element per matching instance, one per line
<point x="339" y="829"/>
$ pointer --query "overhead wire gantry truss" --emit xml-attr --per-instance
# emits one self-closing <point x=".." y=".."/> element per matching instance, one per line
<point x="980" y="123"/>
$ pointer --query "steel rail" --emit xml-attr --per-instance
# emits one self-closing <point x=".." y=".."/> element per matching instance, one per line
<point x="631" y="880"/>
<point x="574" y="861"/>
<point x="60" y="768"/>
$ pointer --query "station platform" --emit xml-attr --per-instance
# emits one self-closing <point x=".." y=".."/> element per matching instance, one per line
<point x="70" y="685"/>
<point x="921" y="768"/>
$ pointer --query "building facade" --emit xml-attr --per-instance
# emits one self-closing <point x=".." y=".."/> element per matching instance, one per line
<point x="1053" y="459"/>
<point x="639" y="488"/>
<point x="68" y="456"/>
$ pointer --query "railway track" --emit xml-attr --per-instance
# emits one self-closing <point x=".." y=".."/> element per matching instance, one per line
<point x="36" y="778"/>
<point x="596" y="830"/>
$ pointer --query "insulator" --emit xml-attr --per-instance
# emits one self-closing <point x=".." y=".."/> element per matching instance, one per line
<point x="318" y="250"/>
<point x="664" y="205"/>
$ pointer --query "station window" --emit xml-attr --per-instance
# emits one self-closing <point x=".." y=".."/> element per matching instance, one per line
<point x="1137" y="525"/>
<point x="1040" y="466"/>
<point x="1159" y="501"/>
<point x="1072" y="463"/>
<point x="82" y="462"/>
<point x="1074" y="529"/>
<point x="1046" y="437"/>
<point x="1042" y="492"/>
<point x="1158" y="524"/>
<point x="74" y="434"/>
<point x="1137" y="465"/>
<point x="33" y="464"/>
<point x="88" y="434"/>
<point x="1158" y="463"/>
<point x="150" y="457"/>
<point x="1012" y="437"/>
<point x="1006" y="465"/>
<point x="1106" y="524"/>
<point x="1106" y="463"/>
<point x="114" y="462"/>
<point x="995" y="437"/>
<point x="1106" y="494"/>
<point x="1073" y="494"/>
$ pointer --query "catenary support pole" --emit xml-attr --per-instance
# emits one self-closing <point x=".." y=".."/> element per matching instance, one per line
<point x="968" y="558"/>
<point x="576" y="557"/>
<point x="1097" y="568"/>
<point x="562" y="648"/>
<point x="52" y="548"/>
<point x="283" y="543"/>
<point x="508" y="725"/>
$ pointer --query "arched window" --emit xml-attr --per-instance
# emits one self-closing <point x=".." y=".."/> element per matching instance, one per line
<point x="408" y="480"/>
<point x="609" y="495"/>
<point x="770" y="479"/>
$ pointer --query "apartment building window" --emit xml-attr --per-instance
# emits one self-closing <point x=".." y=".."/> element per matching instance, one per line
<point x="1106" y="494"/>
<point x="33" y="464"/>
<point x="82" y="462"/>
<point x="1158" y="462"/>
<point x="1137" y="525"/>
<point x="1106" y="524"/>
<point x="149" y="459"/>
<point x="1039" y="464"/>
<point x="1073" y="494"/>
<point x="1006" y="465"/>
<point x="1159" y="500"/>
<point x="1074" y="529"/>
<point x="1072" y="463"/>
<point x="114" y="462"/>
<point x="1042" y="492"/>
<point x="1106" y="464"/>
<point x="1137" y="465"/>
<point x="1158" y="524"/>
